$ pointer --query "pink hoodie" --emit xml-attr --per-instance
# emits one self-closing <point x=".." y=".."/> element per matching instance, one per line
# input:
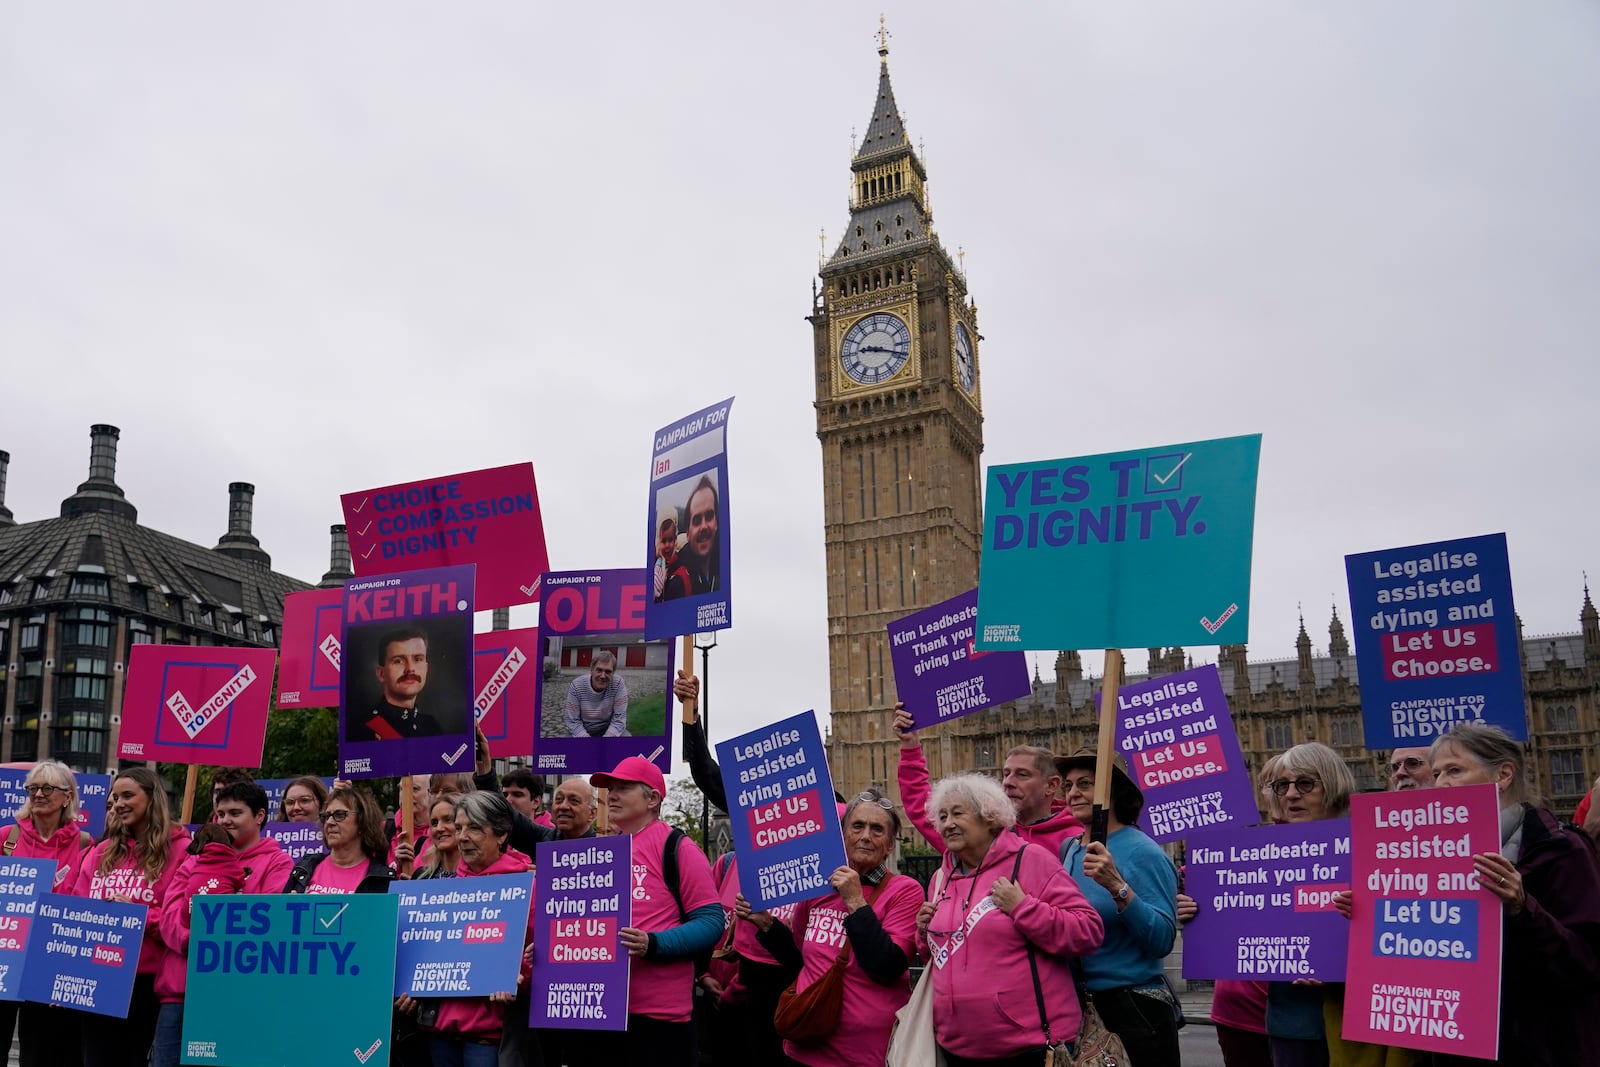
<point x="128" y="881"/>
<point x="479" y="1018"/>
<point x="262" y="868"/>
<point x="65" y="846"/>
<point x="915" y="788"/>
<point x="983" y="999"/>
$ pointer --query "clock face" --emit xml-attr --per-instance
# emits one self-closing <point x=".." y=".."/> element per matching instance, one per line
<point x="964" y="366"/>
<point x="876" y="348"/>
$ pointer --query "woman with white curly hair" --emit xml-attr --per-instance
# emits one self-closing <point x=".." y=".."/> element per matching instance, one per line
<point x="1002" y="922"/>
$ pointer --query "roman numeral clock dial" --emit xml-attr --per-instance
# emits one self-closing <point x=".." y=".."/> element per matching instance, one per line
<point x="875" y="348"/>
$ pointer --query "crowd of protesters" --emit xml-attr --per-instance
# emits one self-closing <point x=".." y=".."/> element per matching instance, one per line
<point x="1024" y="924"/>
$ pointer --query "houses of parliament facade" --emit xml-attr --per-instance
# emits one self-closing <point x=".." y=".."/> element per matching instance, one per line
<point x="900" y="419"/>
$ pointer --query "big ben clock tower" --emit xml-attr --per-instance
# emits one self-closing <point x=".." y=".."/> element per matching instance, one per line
<point x="900" y="417"/>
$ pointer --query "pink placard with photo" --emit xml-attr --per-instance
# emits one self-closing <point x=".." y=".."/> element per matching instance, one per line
<point x="193" y="704"/>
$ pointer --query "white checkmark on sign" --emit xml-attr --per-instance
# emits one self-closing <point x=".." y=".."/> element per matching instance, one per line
<point x="194" y="720"/>
<point x="363" y="531"/>
<point x="1163" y="481"/>
<point x="327" y="924"/>
<point x="367" y="1055"/>
<point x="361" y="505"/>
<point x="450" y="758"/>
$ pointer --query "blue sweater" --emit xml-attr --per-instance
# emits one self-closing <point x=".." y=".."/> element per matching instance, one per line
<point x="1139" y="937"/>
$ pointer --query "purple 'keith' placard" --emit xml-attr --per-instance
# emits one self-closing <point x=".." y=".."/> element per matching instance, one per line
<point x="937" y="673"/>
<point x="406" y="696"/>
<point x="489" y="518"/>
<point x="1266" y="903"/>
<point x="1184" y="754"/>
<point x="581" y="901"/>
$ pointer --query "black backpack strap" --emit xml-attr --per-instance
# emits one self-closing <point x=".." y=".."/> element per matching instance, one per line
<point x="669" y="869"/>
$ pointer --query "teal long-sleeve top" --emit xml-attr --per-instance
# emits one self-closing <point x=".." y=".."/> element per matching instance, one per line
<point x="1139" y="937"/>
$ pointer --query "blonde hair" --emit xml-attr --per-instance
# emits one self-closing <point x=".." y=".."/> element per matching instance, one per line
<point x="58" y="774"/>
<point x="149" y="845"/>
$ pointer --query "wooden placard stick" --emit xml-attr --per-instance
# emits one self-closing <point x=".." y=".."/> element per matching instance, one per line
<point x="191" y="780"/>
<point x="408" y="818"/>
<point x="1098" y="822"/>
<point x="686" y="708"/>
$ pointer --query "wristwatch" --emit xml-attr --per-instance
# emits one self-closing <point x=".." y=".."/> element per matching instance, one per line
<point x="1121" y="895"/>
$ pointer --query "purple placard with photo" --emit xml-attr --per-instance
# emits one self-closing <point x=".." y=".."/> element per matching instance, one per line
<point x="603" y="692"/>
<point x="1184" y="754"/>
<point x="1266" y="903"/>
<point x="581" y="902"/>
<point x="405" y="697"/>
<point x="939" y="675"/>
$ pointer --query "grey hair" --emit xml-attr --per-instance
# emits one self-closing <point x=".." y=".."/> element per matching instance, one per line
<point x="488" y="810"/>
<point x="1314" y="757"/>
<point x="603" y="657"/>
<point x="1489" y="746"/>
<point x="979" y="792"/>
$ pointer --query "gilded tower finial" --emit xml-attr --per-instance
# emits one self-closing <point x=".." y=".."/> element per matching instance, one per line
<point x="883" y="40"/>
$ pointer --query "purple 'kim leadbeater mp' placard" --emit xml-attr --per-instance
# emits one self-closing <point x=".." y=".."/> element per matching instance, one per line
<point x="1266" y="903"/>
<point x="1184" y="754"/>
<point x="937" y="673"/>
<point x="582" y="901"/>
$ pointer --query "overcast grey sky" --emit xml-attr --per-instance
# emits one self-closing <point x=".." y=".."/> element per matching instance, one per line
<point x="324" y="247"/>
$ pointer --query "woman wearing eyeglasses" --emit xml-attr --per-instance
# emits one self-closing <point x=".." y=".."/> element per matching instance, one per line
<point x="1546" y="879"/>
<point x="46" y="829"/>
<point x="871" y="920"/>
<point x="303" y="800"/>
<point x="1003" y="912"/>
<point x="134" y="862"/>
<point x="465" y="1031"/>
<point x="356" y="860"/>
<point x="1313" y="783"/>
<point x="1134" y="887"/>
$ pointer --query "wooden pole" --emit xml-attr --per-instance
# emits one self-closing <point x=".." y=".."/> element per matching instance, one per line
<point x="686" y="708"/>
<point x="191" y="780"/>
<point x="408" y="819"/>
<point x="1108" y="742"/>
<point x="602" y="817"/>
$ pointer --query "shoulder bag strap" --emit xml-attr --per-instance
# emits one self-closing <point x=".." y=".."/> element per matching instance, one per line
<point x="12" y="833"/>
<point x="1033" y="963"/>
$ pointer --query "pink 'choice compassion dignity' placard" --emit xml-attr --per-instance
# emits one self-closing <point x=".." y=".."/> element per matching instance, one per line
<point x="189" y="704"/>
<point x="1425" y="937"/>
<point x="488" y="517"/>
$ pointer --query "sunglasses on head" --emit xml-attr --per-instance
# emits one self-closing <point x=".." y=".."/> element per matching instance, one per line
<point x="869" y="797"/>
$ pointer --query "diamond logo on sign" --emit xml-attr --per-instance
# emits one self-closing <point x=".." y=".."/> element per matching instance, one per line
<point x="507" y="670"/>
<point x="331" y="651"/>
<point x="193" y="720"/>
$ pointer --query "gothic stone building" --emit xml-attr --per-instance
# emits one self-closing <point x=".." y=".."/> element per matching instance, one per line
<point x="78" y="591"/>
<point x="900" y="419"/>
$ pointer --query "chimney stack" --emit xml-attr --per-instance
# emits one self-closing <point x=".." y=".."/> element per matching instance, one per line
<point x="6" y="518"/>
<point x="239" y="542"/>
<point x="338" y="559"/>
<point x="502" y="618"/>
<point x="100" y="494"/>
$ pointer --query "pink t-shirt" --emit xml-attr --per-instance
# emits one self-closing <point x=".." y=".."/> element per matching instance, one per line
<point x="1239" y="1004"/>
<point x="866" y="1018"/>
<point x="329" y="877"/>
<point x="744" y="936"/>
<point x="665" y="989"/>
